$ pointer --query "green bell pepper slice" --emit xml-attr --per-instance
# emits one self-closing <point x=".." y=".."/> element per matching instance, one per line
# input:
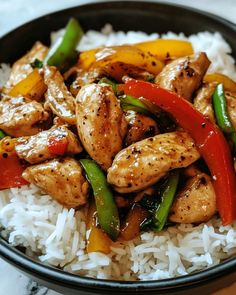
<point x="222" y="115"/>
<point x="167" y="197"/>
<point x="130" y="103"/>
<point x="63" y="53"/>
<point x="107" y="212"/>
<point x="109" y="82"/>
<point x="2" y="134"/>
<point x="134" y="104"/>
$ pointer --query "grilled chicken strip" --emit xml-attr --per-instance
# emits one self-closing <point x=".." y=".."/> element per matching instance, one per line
<point x="231" y="105"/>
<point x="21" y="68"/>
<point x="117" y="70"/>
<point x="61" y="179"/>
<point x="35" y="149"/>
<point x="82" y="78"/>
<point x="184" y="75"/>
<point x="19" y="117"/>
<point x="196" y="202"/>
<point x="58" y="98"/>
<point x="140" y="127"/>
<point x="203" y="100"/>
<point x="101" y="123"/>
<point x="143" y="163"/>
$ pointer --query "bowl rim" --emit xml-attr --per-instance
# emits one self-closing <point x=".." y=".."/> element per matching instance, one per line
<point x="63" y="278"/>
<point x="27" y="264"/>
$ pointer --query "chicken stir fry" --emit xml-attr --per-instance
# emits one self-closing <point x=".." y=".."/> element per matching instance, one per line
<point x="184" y="75"/>
<point x="101" y="123"/>
<point x="58" y="98"/>
<point x="19" y="117"/>
<point x="143" y="163"/>
<point x="203" y="100"/>
<point x="140" y="127"/>
<point x="196" y="202"/>
<point x="21" y="68"/>
<point x="39" y="148"/>
<point x="93" y="130"/>
<point x="62" y="179"/>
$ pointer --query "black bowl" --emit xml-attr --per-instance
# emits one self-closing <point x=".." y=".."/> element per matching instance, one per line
<point x="123" y="15"/>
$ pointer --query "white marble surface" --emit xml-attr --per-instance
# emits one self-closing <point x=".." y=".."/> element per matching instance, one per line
<point x="16" y="12"/>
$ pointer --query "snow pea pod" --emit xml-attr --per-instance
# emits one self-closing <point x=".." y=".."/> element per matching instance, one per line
<point x="222" y="115"/>
<point x="134" y="104"/>
<point x="168" y="193"/>
<point x="107" y="211"/>
<point x="2" y="134"/>
<point x="63" y="53"/>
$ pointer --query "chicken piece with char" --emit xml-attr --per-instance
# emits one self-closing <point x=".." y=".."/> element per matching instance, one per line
<point x="19" y="117"/>
<point x="203" y="100"/>
<point x="62" y="179"/>
<point x="21" y="68"/>
<point x="118" y="70"/>
<point x="140" y="127"/>
<point x="58" y="98"/>
<point x="184" y="75"/>
<point x="82" y="78"/>
<point x="114" y="70"/>
<point x="143" y="163"/>
<point x="196" y="202"/>
<point x="101" y="123"/>
<point x="35" y="149"/>
<point x="231" y="105"/>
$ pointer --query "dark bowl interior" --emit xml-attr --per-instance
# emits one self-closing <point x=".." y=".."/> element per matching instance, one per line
<point x="123" y="15"/>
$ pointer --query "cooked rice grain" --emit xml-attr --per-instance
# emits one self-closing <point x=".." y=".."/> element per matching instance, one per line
<point x="32" y="219"/>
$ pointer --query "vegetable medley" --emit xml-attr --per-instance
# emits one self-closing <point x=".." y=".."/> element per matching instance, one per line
<point x="138" y="135"/>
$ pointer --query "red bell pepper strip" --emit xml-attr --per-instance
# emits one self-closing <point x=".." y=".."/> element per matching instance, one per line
<point x="207" y="136"/>
<point x="11" y="171"/>
<point x="57" y="145"/>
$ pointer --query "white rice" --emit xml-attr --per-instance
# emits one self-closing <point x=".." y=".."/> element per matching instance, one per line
<point x="57" y="236"/>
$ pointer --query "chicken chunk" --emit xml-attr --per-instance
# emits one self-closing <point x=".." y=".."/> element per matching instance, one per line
<point x="62" y="180"/>
<point x="19" y="117"/>
<point x="140" y="127"/>
<point x="117" y="70"/>
<point x="58" y="98"/>
<point x="231" y="105"/>
<point x="143" y="163"/>
<point x="196" y="202"/>
<point x="203" y="100"/>
<point x="184" y="75"/>
<point x="21" y="68"/>
<point x="101" y="123"/>
<point x="82" y="78"/>
<point x="35" y="149"/>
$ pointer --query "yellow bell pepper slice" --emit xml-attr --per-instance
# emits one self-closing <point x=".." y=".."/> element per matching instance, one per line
<point x="102" y="57"/>
<point x="98" y="240"/>
<point x="31" y="87"/>
<point x="161" y="48"/>
<point x="127" y="55"/>
<point x="166" y="48"/>
<point x="87" y="58"/>
<point x="228" y="83"/>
